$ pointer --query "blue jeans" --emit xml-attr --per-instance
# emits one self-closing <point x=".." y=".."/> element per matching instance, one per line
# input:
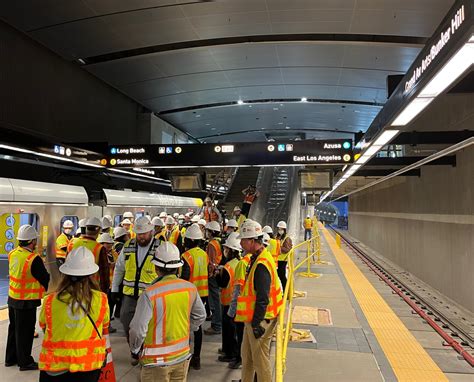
<point x="215" y="304"/>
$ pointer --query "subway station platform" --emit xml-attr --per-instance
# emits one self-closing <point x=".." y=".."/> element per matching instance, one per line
<point x="374" y="336"/>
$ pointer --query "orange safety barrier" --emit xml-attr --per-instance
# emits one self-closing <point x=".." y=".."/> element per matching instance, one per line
<point x="107" y="373"/>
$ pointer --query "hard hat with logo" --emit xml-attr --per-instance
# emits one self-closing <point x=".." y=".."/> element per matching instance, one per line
<point x="213" y="226"/>
<point x="105" y="238"/>
<point x="82" y="223"/>
<point x="266" y="239"/>
<point x="80" y="262"/>
<point x="208" y="199"/>
<point x="233" y="242"/>
<point x="143" y="225"/>
<point x="267" y="229"/>
<point x="202" y="222"/>
<point x="163" y="214"/>
<point x="106" y="222"/>
<point x="93" y="222"/>
<point x="128" y="215"/>
<point x="68" y="224"/>
<point x="193" y="232"/>
<point x="157" y="222"/>
<point x="126" y="221"/>
<point x="167" y="256"/>
<point x="250" y="230"/>
<point x="27" y="233"/>
<point x="119" y="232"/>
<point x="169" y="220"/>
<point x="195" y="218"/>
<point x="237" y="208"/>
<point x="281" y="224"/>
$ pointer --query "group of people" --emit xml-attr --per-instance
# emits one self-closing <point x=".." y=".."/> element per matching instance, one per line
<point x="163" y="277"/>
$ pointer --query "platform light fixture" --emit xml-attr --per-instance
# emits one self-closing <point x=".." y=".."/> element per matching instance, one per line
<point x="304" y="99"/>
<point x="240" y="102"/>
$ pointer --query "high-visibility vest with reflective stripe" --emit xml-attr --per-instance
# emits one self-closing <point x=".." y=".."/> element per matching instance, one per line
<point x="137" y="279"/>
<point x="167" y="339"/>
<point x="173" y="237"/>
<point x="217" y="250"/>
<point x="92" y="245"/>
<point x="70" y="341"/>
<point x="113" y="256"/>
<point x="22" y="284"/>
<point x="226" y="293"/>
<point x="308" y="223"/>
<point x="274" y="248"/>
<point x="241" y="270"/>
<point x="246" y="300"/>
<point x="241" y="219"/>
<point x="62" y="242"/>
<point x="283" y="256"/>
<point x="197" y="260"/>
<point x="210" y="216"/>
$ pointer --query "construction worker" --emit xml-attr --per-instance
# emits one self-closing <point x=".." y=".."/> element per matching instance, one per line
<point x="285" y="248"/>
<point x="195" y="270"/>
<point x="159" y="225"/>
<point x="167" y="312"/>
<point x="135" y="270"/>
<point x="163" y="215"/>
<point x="226" y="280"/>
<point x="273" y="244"/>
<point x="171" y="232"/>
<point x="231" y="226"/>
<point x="63" y="240"/>
<point x="129" y="215"/>
<point x="308" y="227"/>
<point x="258" y="305"/>
<point x="214" y="253"/>
<point x="202" y="225"/>
<point x="238" y="216"/>
<point x="108" y="243"/>
<point x="74" y="320"/>
<point x="210" y="212"/>
<point x="127" y="224"/>
<point x="89" y="240"/>
<point x="121" y="236"/>
<point x="107" y="225"/>
<point x="28" y="280"/>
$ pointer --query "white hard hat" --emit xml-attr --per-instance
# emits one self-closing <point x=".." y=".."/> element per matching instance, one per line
<point x="188" y="214"/>
<point x="163" y="214"/>
<point x="232" y="223"/>
<point x="108" y="217"/>
<point x="68" y="224"/>
<point x="202" y="222"/>
<point x="80" y="262"/>
<point x="128" y="214"/>
<point x="143" y="225"/>
<point x="281" y="224"/>
<point x="250" y="230"/>
<point x="195" y="218"/>
<point x="175" y="215"/>
<point x="193" y="232"/>
<point x="307" y="216"/>
<point x="169" y="220"/>
<point x="167" y="256"/>
<point x="94" y="222"/>
<point x="156" y="221"/>
<point x="237" y="208"/>
<point x="213" y="226"/>
<point x="105" y="238"/>
<point x="126" y="221"/>
<point x="267" y="229"/>
<point x="27" y="233"/>
<point x="181" y="217"/>
<point x="82" y="223"/>
<point x="106" y="222"/>
<point x="119" y="232"/>
<point x="208" y="199"/>
<point x="233" y="242"/>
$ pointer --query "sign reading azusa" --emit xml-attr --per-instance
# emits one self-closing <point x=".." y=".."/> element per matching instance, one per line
<point x="232" y="154"/>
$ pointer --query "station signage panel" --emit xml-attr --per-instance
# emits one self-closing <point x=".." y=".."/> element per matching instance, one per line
<point x="308" y="152"/>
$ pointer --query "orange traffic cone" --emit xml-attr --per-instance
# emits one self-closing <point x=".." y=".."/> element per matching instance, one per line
<point x="108" y="372"/>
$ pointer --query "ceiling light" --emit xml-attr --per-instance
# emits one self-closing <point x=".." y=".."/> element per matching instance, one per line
<point x="287" y="127"/>
<point x="280" y="123"/>
<point x="198" y="115"/>
<point x="385" y="137"/>
<point x="304" y="99"/>
<point x="240" y="102"/>
<point x="372" y="150"/>
<point x="411" y="111"/>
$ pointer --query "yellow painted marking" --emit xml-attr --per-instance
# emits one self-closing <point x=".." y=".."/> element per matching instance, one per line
<point x="3" y="314"/>
<point x="409" y="360"/>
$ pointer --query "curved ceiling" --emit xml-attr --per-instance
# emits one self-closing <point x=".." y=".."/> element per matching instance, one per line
<point x="191" y="61"/>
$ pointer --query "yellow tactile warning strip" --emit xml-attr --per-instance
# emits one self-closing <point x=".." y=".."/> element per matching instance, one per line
<point x="409" y="361"/>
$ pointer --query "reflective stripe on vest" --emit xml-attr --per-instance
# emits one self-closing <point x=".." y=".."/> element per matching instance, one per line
<point x="167" y="339"/>
<point x="22" y="284"/>
<point x="226" y="293"/>
<point x="246" y="300"/>
<point x="70" y="341"/>
<point x="282" y="256"/>
<point x="217" y="250"/>
<point x="274" y="249"/>
<point x="241" y="270"/>
<point x="308" y="223"/>
<point x="138" y="276"/>
<point x="62" y="242"/>
<point x="197" y="260"/>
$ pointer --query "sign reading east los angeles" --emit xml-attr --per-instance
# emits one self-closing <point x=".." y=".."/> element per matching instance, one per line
<point x="232" y="154"/>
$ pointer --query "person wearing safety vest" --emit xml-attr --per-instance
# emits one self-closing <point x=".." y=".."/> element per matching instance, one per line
<point x="89" y="240"/>
<point x="28" y="280"/>
<point x="308" y="227"/>
<point x="210" y="213"/>
<point x="195" y="270"/>
<point x="172" y="232"/>
<point x="63" y="240"/>
<point x="167" y="312"/>
<point x="135" y="270"/>
<point x="238" y="215"/>
<point x="258" y="305"/>
<point x="128" y="225"/>
<point x="158" y="225"/>
<point x="74" y="320"/>
<point x="226" y="280"/>
<point x="214" y="253"/>
<point x="108" y="243"/>
<point x="273" y="244"/>
<point x="285" y="248"/>
<point x="121" y="236"/>
<point x="231" y="226"/>
<point x="107" y="225"/>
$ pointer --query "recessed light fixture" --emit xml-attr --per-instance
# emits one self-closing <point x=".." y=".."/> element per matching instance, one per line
<point x="240" y="102"/>
<point x="304" y="99"/>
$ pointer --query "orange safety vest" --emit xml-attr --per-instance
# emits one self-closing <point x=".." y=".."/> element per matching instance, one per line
<point x="210" y="216"/>
<point x="70" y="341"/>
<point x="217" y="250"/>
<point x="226" y="293"/>
<point x="246" y="300"/>
<point x="22" y="284"/>
<point x="241" y="270"/>
<point x="197" y="260"/>
<point x="308" y="223"/>
<point x="167" y="338"/>
<point x="62" y="242"/>
<point x="174" y="235"/>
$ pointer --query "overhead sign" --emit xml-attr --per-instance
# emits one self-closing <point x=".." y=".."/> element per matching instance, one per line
<point x="232" y="154"/>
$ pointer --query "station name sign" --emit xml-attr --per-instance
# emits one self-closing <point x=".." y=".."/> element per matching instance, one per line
<point x="231" y="154"/>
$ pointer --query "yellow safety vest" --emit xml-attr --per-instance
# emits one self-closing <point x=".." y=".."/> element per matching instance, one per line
<point x="308" y="223"/>
<point x="246" y="300"/>
<point x="173" y="237"/>
<point x="70" y="341"/>
<point x="90" y="244"/>
<point x="282" y="256"/>
<point x="137" y="279"/>
<point x="241" y="219"/>
<point x="241" y="270"/>
<point x="274" y="248"/>
<point x="62" y="242"/>
<point x="22" y="285"/>
<point x="226" y="293"/>
<point x="198" y="261"/>
<point x="167" y="339"/>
